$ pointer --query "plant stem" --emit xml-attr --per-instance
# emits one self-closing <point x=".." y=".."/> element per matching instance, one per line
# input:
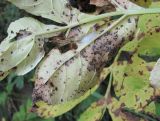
<point x="102" y="16"/>
<point x="109" y="86"/>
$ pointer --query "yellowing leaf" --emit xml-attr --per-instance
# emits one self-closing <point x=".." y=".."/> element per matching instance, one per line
<point x="63" y="77"/>
<point x="16" y="53"/>
<point x="144" y="3"/>
<point x="20" y="43"/>
<point x="32" y="59"/>
<point x="95" y="112"/>
<point x="57" y="10"/>
<point x="45" y="110"/>
<point x="131" y="71"/>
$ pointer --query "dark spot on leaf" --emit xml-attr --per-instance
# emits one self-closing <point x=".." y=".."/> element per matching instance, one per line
<point x="51" y="84"/>
<point x="125" y="56"/>
<point x="157" y="29"/>
<point x="149" y="68"/>
<point x="67" y="47"/>
<point x="2" y="60"/>
<point x="140" y="72"/>
<point x="21" y="34"/>
<point x="83" y="5"/>
<point x="125" y="74"/>
<point x="149" y="58"/>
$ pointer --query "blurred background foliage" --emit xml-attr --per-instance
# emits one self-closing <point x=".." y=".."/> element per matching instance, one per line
<point x="15" y="92"/>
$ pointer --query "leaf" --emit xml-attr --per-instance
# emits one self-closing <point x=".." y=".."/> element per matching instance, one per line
<point x="60" y="85"/>
<point x="23" y="113"/>
<point x="56" y="83"/>
<point x="135" y="92"/>
<point x="3" y="98"/>
<point x="144" y="3"/>
<point x="41" y="80"/>
<point x="19" y="82"/>
<point x="32" y="59"/>
<point x="30" y="25"/>
<point x="95" y="112"/>
<point x="57" y="10"/>
<point x="20" y="43"/>
<point x="45" y="110"/>
<point x="15" y="54"/>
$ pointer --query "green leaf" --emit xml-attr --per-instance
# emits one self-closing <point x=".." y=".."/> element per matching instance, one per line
<point x="19" y="82"/>
<point x="23" y="114"/>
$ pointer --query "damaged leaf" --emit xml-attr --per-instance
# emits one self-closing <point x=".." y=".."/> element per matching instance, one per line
<point x="20" y="43"/>
<point x="135" y="92"/>
<point x="45" y="110"/>
<point x="55" y="81"/>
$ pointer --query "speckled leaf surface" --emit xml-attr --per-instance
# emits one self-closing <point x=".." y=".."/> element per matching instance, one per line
<point x="24" y="24"/>
<point x="65" y="78"/>
<point x="46" y="110"/>
<point x="32" y="59"/>
<point x="16" y="53"/>
<point x="20" y="43"/>
<point x="71" y="74"/>
<point x="136" y="58"/>
<point x="56" y="10"/>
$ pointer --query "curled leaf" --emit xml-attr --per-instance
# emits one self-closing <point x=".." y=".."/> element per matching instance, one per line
<point x="32" y="59"/>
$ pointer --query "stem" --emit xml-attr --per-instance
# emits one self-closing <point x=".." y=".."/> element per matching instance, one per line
<point x="109" y="86"/>
<point x="139" y="114"/>
<point x="102" y="16"/>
